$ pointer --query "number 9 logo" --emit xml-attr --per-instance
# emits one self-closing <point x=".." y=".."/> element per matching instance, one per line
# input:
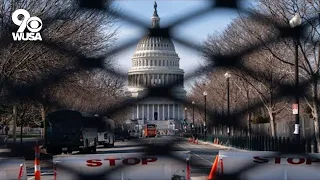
<point x="34" y="24"/>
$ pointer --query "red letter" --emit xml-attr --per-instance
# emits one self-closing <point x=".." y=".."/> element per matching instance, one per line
<point x="94" y="163"/>
<point x="309" y="161"/>
<point x="112" y="161"/>
<point x="301" y="160"/>
<point x="260" y="160"/>
<point x="146" y="160"/>
<point x="131" y="161"/>
<point x="277" y="160"/>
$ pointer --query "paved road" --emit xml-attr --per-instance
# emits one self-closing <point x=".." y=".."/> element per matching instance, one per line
<point x="201" y="155"/>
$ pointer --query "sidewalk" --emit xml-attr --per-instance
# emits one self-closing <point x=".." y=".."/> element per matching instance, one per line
<point x="221" y="146"/>
<point x="199" y="178"/>
<point x="26" y="149"/>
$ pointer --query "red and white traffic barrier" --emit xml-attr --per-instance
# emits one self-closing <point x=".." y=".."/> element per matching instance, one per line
<point x="188" y="168"/>
<point x="54" y="171"/>
<point x="137" y="166"/>
<point x="37" y="171"/>
<point x="11" y="168"/>
<point x="266" y="165"/>
<point x="20" y="172"/>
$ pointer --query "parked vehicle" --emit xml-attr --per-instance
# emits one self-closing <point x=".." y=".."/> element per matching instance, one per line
<point x="121" y="134"/>
<point x="126" y="134"/>
<point x="67" y="131"/>
<point x="134" y="133"/>
<point x="106" y="136"/>
<point x="118" y="134"/>
<point x="150" y="130"/>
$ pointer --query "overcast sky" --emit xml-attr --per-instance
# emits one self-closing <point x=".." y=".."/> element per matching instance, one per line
<point x="196" y="30"/>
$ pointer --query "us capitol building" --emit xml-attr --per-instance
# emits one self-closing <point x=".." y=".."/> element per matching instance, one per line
<point x="156" y="63"/>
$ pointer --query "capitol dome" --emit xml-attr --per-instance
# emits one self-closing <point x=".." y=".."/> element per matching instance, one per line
<point x="156" y="63"/>
<point x="155" y="52"/>
<point x="155" y="43"/>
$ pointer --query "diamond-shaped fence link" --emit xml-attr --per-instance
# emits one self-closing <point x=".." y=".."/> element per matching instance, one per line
<point x="29" y="92"/>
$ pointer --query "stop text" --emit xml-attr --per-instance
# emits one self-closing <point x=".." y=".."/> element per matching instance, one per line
<point x="285" y="160"/>
<point x="114" y="161"/>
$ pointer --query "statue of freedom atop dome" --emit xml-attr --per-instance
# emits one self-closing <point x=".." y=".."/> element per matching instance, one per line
<point x="155" y="6"/>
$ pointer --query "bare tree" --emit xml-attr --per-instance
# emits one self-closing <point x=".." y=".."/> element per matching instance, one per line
<point x="309" y="47"/>
<point x="69" y="35"/>
<point x="265" y="74"/>
<point x="90" y="91"/>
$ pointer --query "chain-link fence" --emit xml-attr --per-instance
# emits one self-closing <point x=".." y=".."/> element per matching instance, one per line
<point x="29" y="92"/>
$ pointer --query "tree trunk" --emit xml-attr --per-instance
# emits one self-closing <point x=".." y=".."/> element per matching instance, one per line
<point x="316" y="112"/>
<point x="21" y="128"/>
<point x="43" y="118"/>
<point x="249" y="114"/>
<point x="272" y="124"/>
<point x="249" y="124"/>
<point x="14" y="124"/>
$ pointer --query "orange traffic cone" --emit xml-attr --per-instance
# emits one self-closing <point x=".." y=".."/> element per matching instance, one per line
<point x="213" y="169"/>
<point x="37" y="172"/>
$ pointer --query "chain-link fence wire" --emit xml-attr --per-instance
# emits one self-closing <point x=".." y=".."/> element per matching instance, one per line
<point x="29" y="92"/>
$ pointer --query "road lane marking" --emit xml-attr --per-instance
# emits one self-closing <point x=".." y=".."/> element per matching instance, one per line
<point x="30" y="178"/>
<point x="206" y="150"/>
<point x="197" y="155"/>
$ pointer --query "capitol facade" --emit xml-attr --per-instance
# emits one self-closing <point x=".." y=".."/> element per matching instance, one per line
<point x="156" y="63"/>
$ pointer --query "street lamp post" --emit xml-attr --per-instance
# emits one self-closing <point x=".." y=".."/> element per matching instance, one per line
<point x="193" y="130"/>
<point x="228" y="75"/>
<point x="295" y="22"/>
<point x="205" y="115"/>
<point x="193" y="112"/>
<point x="185" y="117"/>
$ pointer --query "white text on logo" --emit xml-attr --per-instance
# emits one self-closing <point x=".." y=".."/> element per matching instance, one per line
<point x="34" y="25"/>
